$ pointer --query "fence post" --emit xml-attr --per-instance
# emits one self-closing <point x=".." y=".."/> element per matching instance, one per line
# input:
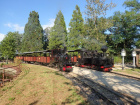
<point x="3" y="76"/>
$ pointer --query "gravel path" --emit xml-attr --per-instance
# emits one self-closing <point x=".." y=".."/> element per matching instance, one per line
<point x="121" y="84"/>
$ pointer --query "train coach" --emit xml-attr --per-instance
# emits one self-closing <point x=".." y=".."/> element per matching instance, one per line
<point x="58" y="58"/>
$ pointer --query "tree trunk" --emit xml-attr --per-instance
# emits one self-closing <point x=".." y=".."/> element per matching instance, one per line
<point x="7" y="60"/>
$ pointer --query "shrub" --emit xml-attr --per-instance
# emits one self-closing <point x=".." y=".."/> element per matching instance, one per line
<point x="2" y="64"/>
<point x="17" y="61"/>
<point x="117" y="59"/>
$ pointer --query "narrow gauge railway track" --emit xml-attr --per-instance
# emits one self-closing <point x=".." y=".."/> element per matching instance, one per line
<point x="119" y="74"/>
<point x="99" y="94"/>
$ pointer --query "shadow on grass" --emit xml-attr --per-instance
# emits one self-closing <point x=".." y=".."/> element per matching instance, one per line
<point x="75" y="99"/>
<point x="53" y="72"/>
<point x="67" y="83"/>
<point x="56" y="73"/>
<point x="34" y="103"/>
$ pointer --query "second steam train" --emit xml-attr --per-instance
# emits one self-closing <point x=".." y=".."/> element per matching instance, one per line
<point x="64" y="60"/>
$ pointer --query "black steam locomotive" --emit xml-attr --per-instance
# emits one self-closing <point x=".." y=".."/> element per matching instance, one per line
<point x="61" y="59"/>
<point x="58" y="58"/>
<point x="94" y="60"/>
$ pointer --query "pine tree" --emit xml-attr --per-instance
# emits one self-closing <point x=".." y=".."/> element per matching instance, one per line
<point x="33" y="34"/>
<point x="76" y="30"/>
<point x="58" y="34"/>
<point x="46" y="35"/>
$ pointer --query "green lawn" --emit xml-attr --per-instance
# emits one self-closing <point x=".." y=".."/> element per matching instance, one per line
<point x="40" y="86"/>
<point x="133" y="72"/>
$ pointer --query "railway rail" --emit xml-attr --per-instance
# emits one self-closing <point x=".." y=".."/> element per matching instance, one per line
<point x="119" y="74"/>
<point x="98" y="94"/>
<point x="126" y="76"/>
<point x="107" y="95"/>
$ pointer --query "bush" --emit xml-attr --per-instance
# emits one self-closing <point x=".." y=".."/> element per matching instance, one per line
<point x="17" y="61"/>
<point x="117" y="59"/>
<point x="2" y="64"/>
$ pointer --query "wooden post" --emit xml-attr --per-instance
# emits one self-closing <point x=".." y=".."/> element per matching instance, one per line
<point x="137" y="59"/>
<point x="3" y="77"/>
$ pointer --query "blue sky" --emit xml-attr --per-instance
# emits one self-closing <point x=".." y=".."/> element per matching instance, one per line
<point x="15" y="13"/>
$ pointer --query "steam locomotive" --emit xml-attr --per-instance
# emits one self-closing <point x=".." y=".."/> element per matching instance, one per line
<point x="64" y="60"/>
<point x="94" y="60"/>
<point x="58" y="58"/>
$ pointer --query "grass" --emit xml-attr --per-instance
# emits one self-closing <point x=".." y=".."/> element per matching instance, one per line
<point x="39" y="85"/>
<point x="132" y="72"/>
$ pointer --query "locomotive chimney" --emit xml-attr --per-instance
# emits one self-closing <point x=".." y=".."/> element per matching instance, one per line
<point x="104" y="49"/>
<point x="65" y="49"/>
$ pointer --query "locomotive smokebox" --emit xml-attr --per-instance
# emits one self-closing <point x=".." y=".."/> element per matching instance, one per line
<point x="104" y="48"/>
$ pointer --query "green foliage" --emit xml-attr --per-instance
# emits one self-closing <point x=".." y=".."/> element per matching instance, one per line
<point x="33" y="34"/>
<point x="11" y="98"/>
<point x="46" y="35"/>
<point x="125" y="31"/>
<point x="117" y="59"/>
<point x="76" y="30"/>
<point x="18" y="41"/>
<point x="1" y="64"/>
<point x="58" y="34"/>
<point x="134" y="6"/>
<point x="96" y="23"/>
<point x="8" y="46"/>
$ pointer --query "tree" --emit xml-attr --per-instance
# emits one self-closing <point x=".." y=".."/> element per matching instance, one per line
<point x="58" y="34"/>
<point x="125" y="30"/>
<point x="76" y="30"/>
<point x="134" y="9"/>
<point x="97" y="23"/>
<point x="123" y="33"/>
<point x="8" y="46"/>
<point x="33" y="34"/>
<point x="46" y="35"/>
<point x="18" y="41"/>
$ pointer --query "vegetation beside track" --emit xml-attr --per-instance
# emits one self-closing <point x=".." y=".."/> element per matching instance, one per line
<point x="39" y="85"/>
<point x="132" y="72"/>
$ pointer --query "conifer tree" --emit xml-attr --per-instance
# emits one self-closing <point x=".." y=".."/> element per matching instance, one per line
<point x="33" y="34"/>
<point x="58" y="34"/>
<point x="76" y="30"/>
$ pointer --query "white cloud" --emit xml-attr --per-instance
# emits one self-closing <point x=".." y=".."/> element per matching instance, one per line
<point x="49" y="24"/>
<point x="1" y="36"/>
<point x="15" y="27"/>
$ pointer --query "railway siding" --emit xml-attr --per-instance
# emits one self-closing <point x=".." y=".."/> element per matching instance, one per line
<point x="123" y="85"/>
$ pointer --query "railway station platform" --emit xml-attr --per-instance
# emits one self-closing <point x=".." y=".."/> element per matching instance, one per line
<point x="118" y="83"/>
